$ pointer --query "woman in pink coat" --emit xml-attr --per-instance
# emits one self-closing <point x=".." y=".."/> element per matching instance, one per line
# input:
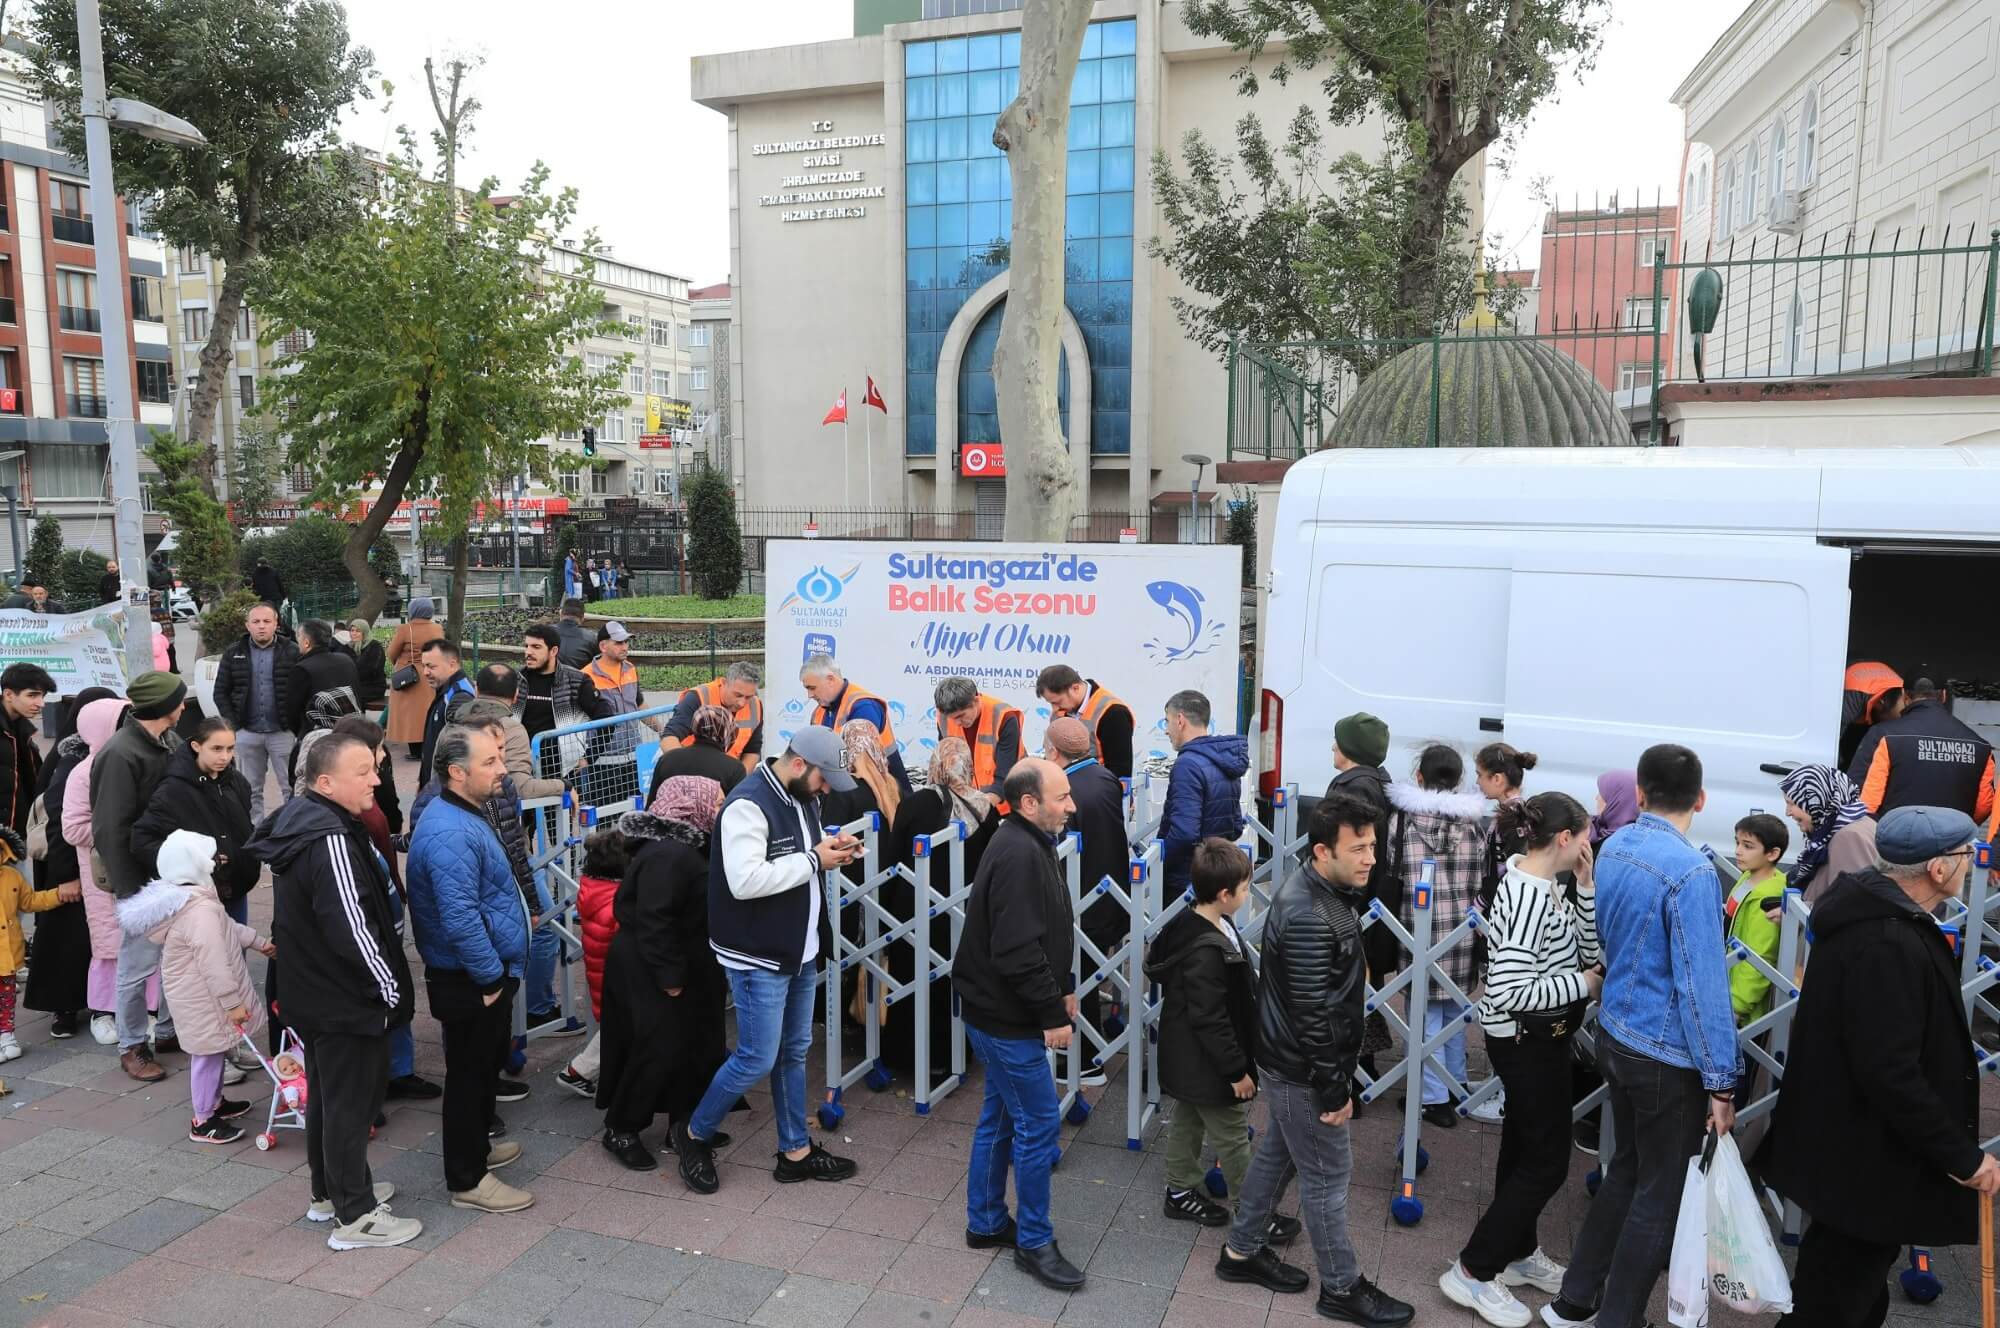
<point x="95" y="725"/>
<point x="201" y="965"/>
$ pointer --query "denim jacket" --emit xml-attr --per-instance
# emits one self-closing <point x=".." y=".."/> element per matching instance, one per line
<point x="1659" y="918"/>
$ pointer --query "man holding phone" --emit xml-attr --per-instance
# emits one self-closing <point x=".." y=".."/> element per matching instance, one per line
<point x="768" y="927"/>
<point x="1015" y="985"/>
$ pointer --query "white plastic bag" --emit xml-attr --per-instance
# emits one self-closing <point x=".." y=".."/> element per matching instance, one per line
<point x="1744" y="1270"/>
<point x="1687" y="1270"/>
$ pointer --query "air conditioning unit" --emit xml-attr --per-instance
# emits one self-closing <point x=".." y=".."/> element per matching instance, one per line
<point x="1787" y="212"/>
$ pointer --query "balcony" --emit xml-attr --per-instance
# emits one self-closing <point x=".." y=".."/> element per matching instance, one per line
<point x="78" y="319"/>
<point x="86" y="408"/>
<point x="72" y="230"/>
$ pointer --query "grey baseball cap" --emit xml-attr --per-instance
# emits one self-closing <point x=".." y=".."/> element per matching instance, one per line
<point x="822" y="748"/>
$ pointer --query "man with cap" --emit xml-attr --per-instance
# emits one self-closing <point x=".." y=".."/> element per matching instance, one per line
<point x="1876" y="1129"/>
<point x="1099" y="821"/>
<point x="767" y="924"/>
<point x="123" y="777"/>
<point x="613" y="772"/>
<point x="1360" y="746"/>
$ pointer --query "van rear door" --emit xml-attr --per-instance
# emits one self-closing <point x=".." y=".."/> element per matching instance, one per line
<point x="1732" y="645"/>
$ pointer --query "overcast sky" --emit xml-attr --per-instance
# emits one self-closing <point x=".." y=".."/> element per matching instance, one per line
<point x="605" y="103"/>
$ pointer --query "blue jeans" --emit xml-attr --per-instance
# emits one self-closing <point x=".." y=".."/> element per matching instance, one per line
<point x="774" y="1025"/>
<point x="1018" y="1124"/>
<point x="1436" y="1014"/>
<point x="544" y="946"/>
<point x="402" y="1052"/>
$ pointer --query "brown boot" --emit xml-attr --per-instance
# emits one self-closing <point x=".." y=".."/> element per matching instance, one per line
<point x="139" y="1063"/>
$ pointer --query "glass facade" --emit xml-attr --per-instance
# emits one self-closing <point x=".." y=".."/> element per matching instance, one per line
<point x="959" y="213"/>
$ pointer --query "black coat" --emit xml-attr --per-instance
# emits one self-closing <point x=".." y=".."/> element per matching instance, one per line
<point x="371" y="667"/>
<point x="270" y="587"/>
<point x="320" y="671"/>
<point x="108" y="589"/>
<point x="1309" y="998"/>
<point x="20" y="772"/>
<point x="58" y="980"/>
<point x="232" y="679"/>
<point x="924" y="812"/>
<point x="696" y="759"/>
<point x="1879" y="1108"/>
<point x="1371" y="784"/>
<point x="1013" y="966"/>
<point x="1099" y="821"/>
<point x="217" y="806"/>
<point x="1208" y="1024"/>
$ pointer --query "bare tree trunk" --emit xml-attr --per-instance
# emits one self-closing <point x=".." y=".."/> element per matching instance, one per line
<point x="454" y="613"/>
<point x="1034" y="133"/>
<point x="218" y="357"/>
<point x="354" y="554"/>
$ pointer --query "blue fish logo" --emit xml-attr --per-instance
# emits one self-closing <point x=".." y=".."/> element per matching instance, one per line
<point x="1194" y="632"/>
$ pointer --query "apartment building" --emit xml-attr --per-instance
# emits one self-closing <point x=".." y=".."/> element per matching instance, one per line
<point x="709" y="349"/>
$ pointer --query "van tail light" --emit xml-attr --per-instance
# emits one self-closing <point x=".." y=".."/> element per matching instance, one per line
<point x="1271" y="748"/>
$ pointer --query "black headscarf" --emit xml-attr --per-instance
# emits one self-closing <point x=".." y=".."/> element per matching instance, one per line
<point x="74" y="707"/>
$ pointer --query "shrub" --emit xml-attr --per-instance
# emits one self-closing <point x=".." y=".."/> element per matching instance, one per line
<point x="1242" y="531"/>
<point x="715" y="541"/>
<point x="45" y="548"/>
<point x="76" y="576"/>
<point x="307" y="553"/>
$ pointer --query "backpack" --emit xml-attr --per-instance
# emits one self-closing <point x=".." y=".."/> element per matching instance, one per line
<point x="38" y="830"/>
<point x="329" y="706"/>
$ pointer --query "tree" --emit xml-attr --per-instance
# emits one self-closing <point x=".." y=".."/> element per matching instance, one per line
<point x="206" y="552"/>
<point x="1242" y="531"/>
<point x="266" y="82"/>
<point x="1451" y="77"/>
<point x="1034" y="132"/>
<point x="307" y="554"/>
<point x="715" y="541"/>
<point x="257" y="472"/>
<point x="45" y="546"/>
<point x="443" y="345"/>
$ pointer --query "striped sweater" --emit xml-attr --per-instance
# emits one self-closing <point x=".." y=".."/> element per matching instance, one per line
<point x="1538" y="947"/>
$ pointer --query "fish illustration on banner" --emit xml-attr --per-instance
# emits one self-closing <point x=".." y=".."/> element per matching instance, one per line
<point x="1193" y="632"/>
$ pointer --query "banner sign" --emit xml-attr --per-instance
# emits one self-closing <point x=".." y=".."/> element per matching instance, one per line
<point x="78" y="650"/>
<point x="982" y="461"/>
<point x="901" y="616"/>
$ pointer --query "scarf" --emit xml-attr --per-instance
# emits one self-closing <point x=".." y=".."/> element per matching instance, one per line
<point x="951" y="770"/>
<point x="693" y="800"/>
<point x="713" y="725"/>
<point x="1620" y="791"/>
<point x="1832" y="801"/>
<point x="864" y="757"/>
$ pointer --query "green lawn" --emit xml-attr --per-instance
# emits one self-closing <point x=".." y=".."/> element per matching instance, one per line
<point x="674" y="677"/>
<point x="682" y="606"/>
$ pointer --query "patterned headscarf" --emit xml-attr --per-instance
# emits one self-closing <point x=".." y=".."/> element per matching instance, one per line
<point x="1833" y="802"/>
<point x="713" y="725"/>
<point x="951" y="770"/>
<point x="864" y="758"/>
<point x="692" y="799"/>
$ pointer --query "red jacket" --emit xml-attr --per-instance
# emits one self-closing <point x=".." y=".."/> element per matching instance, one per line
<point x="594" y="895"/>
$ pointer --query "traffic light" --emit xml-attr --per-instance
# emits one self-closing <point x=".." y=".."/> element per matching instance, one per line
<point x="589" y="441"/>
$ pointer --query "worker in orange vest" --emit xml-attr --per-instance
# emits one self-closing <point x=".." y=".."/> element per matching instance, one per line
<point x="736" y="692"/>
<point x="838" y="701"/>
<point x="990" y="727"/>
<point x="1109" y="719"/>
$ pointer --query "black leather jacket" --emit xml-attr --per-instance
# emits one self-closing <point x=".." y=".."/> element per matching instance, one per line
<point x="1309" y="1009"/>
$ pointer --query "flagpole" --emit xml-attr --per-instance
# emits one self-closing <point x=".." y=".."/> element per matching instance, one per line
<point x="846" y="462"/>
<point x="868" y="459"/>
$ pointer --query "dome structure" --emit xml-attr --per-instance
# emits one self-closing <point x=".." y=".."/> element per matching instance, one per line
<point x="1493" y="391"/>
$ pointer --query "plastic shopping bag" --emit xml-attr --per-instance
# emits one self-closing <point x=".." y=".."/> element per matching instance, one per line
<point x="1744" y="1270"/>
<point x="1687" y="1269"/>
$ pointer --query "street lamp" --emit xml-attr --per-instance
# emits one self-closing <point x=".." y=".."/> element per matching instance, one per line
<point x="121" y="422"/>
<point x="1199" y="462"/>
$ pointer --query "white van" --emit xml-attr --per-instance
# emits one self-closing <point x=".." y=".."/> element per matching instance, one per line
<point x="1584" y="604"/>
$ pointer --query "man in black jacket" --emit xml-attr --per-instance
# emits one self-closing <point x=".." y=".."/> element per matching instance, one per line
<point x="1100" y="826"/>
<point x="1925" y="757"/>
<point x="252" y="687"/>
<point x="1360" y="746"/>
<point x="23" y="689"/>
<point x="1014" y="983"/>
<point x="346" y="982"/>
<point x="1309" y="1007"/>
<point x="1887" y="1155"/>
<point x="320" y="669"/>
<point x="579" y="643"/>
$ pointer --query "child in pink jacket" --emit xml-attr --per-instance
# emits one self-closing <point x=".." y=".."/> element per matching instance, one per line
<point x="201" y="966"/>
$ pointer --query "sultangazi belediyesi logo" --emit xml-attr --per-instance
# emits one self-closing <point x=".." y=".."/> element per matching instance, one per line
<point x="819" y="588"/>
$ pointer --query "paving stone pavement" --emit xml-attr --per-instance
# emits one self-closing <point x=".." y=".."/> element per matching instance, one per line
<point x="110" y="1216"/>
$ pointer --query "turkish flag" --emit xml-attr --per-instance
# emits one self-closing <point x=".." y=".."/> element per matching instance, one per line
<point x="874" y="398"/>
<point x="838" y="415"/>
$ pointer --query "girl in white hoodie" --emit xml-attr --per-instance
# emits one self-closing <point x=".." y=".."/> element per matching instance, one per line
<point x="201" y="967"/>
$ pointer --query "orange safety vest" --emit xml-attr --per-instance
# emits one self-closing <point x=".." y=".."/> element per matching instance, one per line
<point x="845" y="711"/>
<point x="1095" y="707"/>
<point x="748" y="720"/>
<point x="985" y="740"/>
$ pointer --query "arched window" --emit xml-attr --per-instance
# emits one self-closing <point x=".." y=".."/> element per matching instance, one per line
<point x="1795" y="335"/>
<point x="978" y="404"/>
<point x="1701" y="198"/>
<point x="1753" y="179"/>
<point x="1781" y="152"/>
<point x="1725" y="211"/>
<point x="1809" y="138"/>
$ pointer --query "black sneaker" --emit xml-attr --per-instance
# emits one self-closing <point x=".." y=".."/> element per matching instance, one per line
<point x="628" y="1150"/>
<point x="510" y="1090"/>
<point x="718" y="1141"/>
<point x="1586" y="1134"/>
<point x="1365" y="1303"/>
<point x="697" y="1161"/>
<point x="1003" y="1239"/>
<point x="1283" y="1231"/>
<point x="580" y="1084"/>
<point x="215" y="1130"/>
<point x="495" y="1127"/>
<point x="1193" y="1206"/>
<point x="229" y="1110"/>
<point x="817" y="1164"/>
<point x="412" y="1088"/>
<point x="1562" y="1310"/>
<point x="63" y="1025"/>
<point x="1264" y="1269"/>
<point x="552" y="1023"/>
<point x="1441" y="1114"/>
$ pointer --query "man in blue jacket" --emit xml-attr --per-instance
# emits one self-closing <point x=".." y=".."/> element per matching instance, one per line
<point x="1204" y="790"/>
<point x="472" y="931"/>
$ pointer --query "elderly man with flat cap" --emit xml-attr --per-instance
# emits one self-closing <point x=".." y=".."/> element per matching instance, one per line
<point x="1876" y="1129"/>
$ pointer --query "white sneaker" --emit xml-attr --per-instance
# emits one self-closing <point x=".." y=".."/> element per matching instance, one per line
<point x="104" y="1028"/>
<point x="321" y="1210"/>
<point x="233" y="1075"/>
<point x="1493" y="1111"/>
<point x="10" y="1047"/>
<point x="1489" y="1300"/>
<point x="375" y="1231"/>
<point x="1538" y="1270"/>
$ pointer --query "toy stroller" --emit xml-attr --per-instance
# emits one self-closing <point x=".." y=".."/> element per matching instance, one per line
<point x="289" y="1090"/>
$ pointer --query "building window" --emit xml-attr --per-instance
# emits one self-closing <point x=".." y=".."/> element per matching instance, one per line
<point x="600" y="479"/>
<point x="70" y="213"/>
<point x="1725" y="210"/>
<point x="638" y="428"/>
<point x="245" y="328"/>
<point x="635" y="327"/>
<point x="194" y="324"/>
<point x="568" y="436"/>
<point x="1701" y="197"/>
<point x="301" y="480"/>
<point x="569" y="481"/>
<point x="1631" y="377"/>
<point x="635" y="378"/>
<point x="76" y="300"/>
<point x="1809" y="138"/>
<point x="149" y="303"/>
<point x="246" y="391"/>
<point x="83" y="381"/>
<point x="663" y="332"/>
<point x="701" y="418"/>
<point x="1781" y="161"/>
<point x="1753" y="166"/>
<point x="663" y="480"/>
<point x="65" y="470"/>
<point x="156" y="381"/>
<point x="698" y="335"/>
<point x="1639" y="312"/>
<point x="193" y="261"/>
<point x="7" y="311"/>
<point x="1652" y="250"/>
<point x="614" y="428"/>
<point x="597" y="361"/>
<point x="636" y="480"/>
<point x="295" y="342"/>
<point x="663" y="382"/>
<point x="1795" y="335"/>
<point x="698" y="380"/>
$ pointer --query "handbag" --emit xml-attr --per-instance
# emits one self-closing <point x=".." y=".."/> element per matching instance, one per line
<point x="38" y="830"/>
<point x="404" y="678"/>
<point x="1550" y="1025"/>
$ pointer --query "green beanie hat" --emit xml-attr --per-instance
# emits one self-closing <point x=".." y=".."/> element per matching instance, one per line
<point x="155" y="694"/>
<point x="1363" y="739"/>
